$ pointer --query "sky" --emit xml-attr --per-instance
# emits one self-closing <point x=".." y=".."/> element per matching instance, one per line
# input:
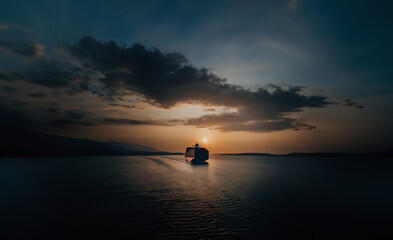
<point x="245" y="76"/>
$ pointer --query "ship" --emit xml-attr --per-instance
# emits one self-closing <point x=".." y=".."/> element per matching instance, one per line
<point x="196" y="154"/>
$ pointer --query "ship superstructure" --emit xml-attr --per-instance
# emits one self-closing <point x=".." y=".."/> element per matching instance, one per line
<point x="196" y="154"/>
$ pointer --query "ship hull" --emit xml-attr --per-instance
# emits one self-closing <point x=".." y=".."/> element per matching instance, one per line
<point x="195" y="162"/>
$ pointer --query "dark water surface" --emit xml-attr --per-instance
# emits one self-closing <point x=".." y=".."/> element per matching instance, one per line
<point x="160" y="197"/>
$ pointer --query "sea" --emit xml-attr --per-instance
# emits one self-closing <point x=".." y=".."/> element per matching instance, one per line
<point x="164" y="197"/>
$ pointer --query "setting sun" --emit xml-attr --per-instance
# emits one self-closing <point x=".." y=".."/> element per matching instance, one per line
<point x="204" y="140"/>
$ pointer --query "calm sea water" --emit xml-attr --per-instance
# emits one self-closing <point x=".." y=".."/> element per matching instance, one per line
<point x="161" y="197"/>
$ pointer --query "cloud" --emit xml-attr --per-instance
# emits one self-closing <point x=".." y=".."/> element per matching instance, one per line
<point x="8" y="77"/>
<point x="294" y="5"/>
<point x="53" y="110"/>
<point x="350" y="103"/>
<point x="75" y="114"/>
<point x="264" y="111"/>
<point x="4" y="77"/>
<point x="266" y="126"/>
<point x="59" y="117"/>
<point x="234" y="122"/>
<point x="9" y="26"/>
<point x="165" y="79"/>
<point x="56" y="74"/>
<point x="132" y="122"/>
<point x="51" y="73"/>
<point x="64" y="122"/>
<point x="15" y="104"/>
<point x="123" y="105"/>
<point x="209" y="110"/>
<point x="29" y="49"/>
<point x="176" y="120"/>
<point x="37" y="95"/>
<point x="4" y="27"/>
<point x="73" y="118"/>
<point x="7" y="89"/>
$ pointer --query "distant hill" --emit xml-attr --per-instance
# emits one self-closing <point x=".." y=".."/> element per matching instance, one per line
<point x="300" y="154"/>
<point x="248" y="154"/>
<point x="131" y="147"/>
<point x="16" y="142"/>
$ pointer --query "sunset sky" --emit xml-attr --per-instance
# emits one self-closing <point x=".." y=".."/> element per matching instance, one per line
<point x="248" y="76"/>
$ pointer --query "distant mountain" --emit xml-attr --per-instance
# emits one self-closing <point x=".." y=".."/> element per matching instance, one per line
<point x="16" y="142"/>
<point x="248" y="154"/>
<point x="131" y="147"/>
<point x="300" y="154"/>
<point x="378" y="154"/>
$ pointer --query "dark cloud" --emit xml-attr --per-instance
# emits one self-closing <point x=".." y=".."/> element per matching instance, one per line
<point x="55" y="75"/>
<point x="54" y="117"/>
<point x="216" y="119"/>
<point x="51" y="73"/>
<point x="176" y="120"/>
<point x="29" y="49"/>
<point x="266" y="126"/>
<point x="122" y="105"/>
<point x="82" y="121"/>
<point x="264" y="111"/>
<point x="53" y="110"/>
<point x="350" y="103"/>
<point x="7" y="89"/>
<point x="11" y="76"/>
<point x="236" y="122"/>
<point x="75" y="114"/>
<point x="16" y="114"/>
<point x="46" y="75"/>
<point x="13" y="103"/>
<point x="61" y="117"/>
<point x="64" y="122"/>
<point x="165" y="79"/>
<point x="4" y="77"/>
<point x="132" y="122"/>
<point x="37" y="95"/>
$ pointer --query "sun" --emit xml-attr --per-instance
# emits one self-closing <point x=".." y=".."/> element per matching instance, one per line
<point x="204" y="140"/>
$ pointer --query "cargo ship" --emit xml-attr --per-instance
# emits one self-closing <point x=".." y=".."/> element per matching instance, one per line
<point x="197" y="154"/>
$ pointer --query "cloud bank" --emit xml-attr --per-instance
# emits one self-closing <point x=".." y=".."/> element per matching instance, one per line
<point x="162" y="79"/>
<point x="29" y="49"/>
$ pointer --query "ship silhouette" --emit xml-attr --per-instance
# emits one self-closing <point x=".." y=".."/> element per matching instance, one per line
<point x="196" y="154"/>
